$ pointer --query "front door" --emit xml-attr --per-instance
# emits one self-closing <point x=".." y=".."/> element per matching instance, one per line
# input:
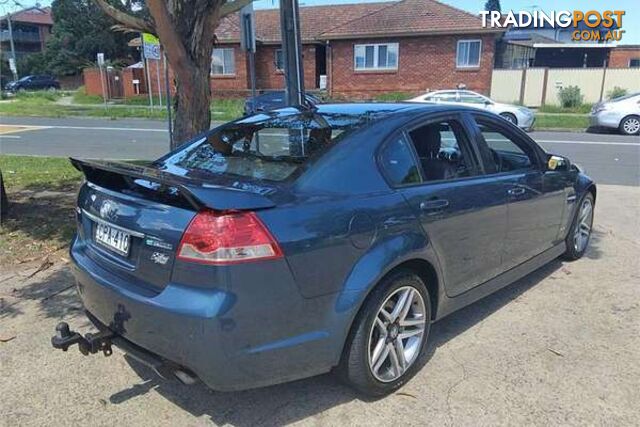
<point x="462" y="212"/>
<point x="535" y="200"/>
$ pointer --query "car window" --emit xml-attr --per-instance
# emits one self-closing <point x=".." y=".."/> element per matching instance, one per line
<point x="471" y="98"/>
<point x="507" y="151"/>
<point x="398" y="163"/>
<point x="445" y="97"/>
<point x="264" y="146"/>
<point x="439" y="147"/>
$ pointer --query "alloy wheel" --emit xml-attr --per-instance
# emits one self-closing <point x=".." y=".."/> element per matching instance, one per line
<point x="583" y="226"/>
<point x="397" y="333"/>
<point x="631" y="125"/>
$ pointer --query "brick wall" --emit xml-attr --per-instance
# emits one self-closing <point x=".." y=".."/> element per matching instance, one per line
<point x="425" y="63"/>
<point x="620" y="56"/>
<point x="92" y="85"/>
<point x="269" y="78"/>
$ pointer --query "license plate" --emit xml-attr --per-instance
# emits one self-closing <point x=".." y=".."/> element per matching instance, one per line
<point x="113" y="238"/>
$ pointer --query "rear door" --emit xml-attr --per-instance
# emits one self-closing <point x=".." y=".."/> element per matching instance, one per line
<point x="536" y="199"/>
<point x="462" y="212"/>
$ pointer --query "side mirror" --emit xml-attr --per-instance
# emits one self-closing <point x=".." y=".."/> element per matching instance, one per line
<point x="487" y="102"/>
<point x="558" y="163"/>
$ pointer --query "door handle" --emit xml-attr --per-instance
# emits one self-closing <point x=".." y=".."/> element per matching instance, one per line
<point x="433" y="205"/>
<point x="516" y="191"/>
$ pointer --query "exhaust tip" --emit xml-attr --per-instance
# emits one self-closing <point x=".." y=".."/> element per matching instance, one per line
<point x="185" y="377"/>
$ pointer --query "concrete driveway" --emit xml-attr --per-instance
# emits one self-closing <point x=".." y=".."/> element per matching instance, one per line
<point x="560" y="347"/>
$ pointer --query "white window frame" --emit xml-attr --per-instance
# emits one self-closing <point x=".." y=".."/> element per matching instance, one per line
<point x="376" y="46"/>
<point x="275" y="59"/>
<point x="458" y="65"/>
<point x="225" y="72"/>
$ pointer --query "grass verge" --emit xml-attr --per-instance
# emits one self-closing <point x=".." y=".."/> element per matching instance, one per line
<point x="561" y="121"/>
<point x="43" y="104"/>
<point x="41" y="194"/>
<point x="581" y="109"/>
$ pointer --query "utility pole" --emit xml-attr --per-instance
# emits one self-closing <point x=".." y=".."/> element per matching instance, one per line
<point x="292" y="51"/>
<point x="14" y="69"/>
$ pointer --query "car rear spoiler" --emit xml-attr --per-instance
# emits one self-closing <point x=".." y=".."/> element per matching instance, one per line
<point x="199" y="194"/>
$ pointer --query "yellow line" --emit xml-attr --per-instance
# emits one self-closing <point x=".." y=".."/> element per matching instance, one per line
<point x="5" y="129"/>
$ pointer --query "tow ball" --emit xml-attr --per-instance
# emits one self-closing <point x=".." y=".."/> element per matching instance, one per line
<point x="87" y="344"/>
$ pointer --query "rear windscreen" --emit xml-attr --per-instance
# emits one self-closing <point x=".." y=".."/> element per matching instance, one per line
<point x="264" y="146"/>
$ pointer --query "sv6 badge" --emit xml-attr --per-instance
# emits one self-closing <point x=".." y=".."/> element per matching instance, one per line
<point x="159" y="258"/>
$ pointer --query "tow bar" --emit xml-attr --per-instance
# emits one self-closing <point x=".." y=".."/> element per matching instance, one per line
<point x="88" y="344"/>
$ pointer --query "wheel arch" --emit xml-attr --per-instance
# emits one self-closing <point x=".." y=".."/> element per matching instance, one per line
<point x="427" y="272"/>
<point x="593" y="190"/>
<point x="510" y="114"/>
<point x="421" y="267"/>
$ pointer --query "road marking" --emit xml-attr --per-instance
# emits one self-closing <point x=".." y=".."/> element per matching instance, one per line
<point x="5" y="129"/>
<point x="9" y="136"/>
<point x="94" y="128"/>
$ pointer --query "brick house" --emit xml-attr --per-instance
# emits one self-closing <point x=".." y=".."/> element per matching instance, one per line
<point x="625" y="56"/>
<point x="370" y="48"/>
<point x="31" y="28"/>
<point x="363" y="50"/>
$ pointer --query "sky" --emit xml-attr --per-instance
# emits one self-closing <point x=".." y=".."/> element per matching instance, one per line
<point x="630" y="21"/>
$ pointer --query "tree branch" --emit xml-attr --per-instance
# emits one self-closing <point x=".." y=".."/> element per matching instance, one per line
<point x="125" y="19"/>
<point x="230" y="7"/>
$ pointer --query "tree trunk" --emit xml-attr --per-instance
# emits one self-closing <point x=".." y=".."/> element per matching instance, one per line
<point x="193" y="97"/>
<point x="186" y="31"/>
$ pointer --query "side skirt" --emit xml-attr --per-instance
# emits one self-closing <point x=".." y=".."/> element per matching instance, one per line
<point x="452" y="304"/>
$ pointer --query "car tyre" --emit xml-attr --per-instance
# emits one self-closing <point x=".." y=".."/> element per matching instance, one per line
<point x="577" y="240"/>
<point x="355" y="368"/>
<point x="510" y="118"/>
<point x="630" y="125"/>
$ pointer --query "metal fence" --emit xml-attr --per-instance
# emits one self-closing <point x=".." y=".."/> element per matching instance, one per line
<point x="534" y="87"/>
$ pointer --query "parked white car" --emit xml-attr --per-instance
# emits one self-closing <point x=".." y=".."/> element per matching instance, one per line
<point x="621" y="113"/>
<point x="519" y="116"/>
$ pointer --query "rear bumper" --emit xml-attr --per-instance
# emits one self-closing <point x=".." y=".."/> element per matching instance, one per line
<point x="235" y="338"/>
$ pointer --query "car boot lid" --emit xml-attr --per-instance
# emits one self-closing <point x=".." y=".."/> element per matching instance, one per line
<point x="198" y="192"/>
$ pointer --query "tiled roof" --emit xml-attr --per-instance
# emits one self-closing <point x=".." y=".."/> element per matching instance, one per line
<point x="409" y="17"/>
<point x="33" y="15"/>
<point x="404" y="17"/>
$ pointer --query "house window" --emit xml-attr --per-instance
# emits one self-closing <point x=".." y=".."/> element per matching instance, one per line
<point x="634" y="62"/>
<point x="279" y="60"/>
<point x="223" y="62"/>
<point x="376" y="56"/>
<point x="468" y="53"/>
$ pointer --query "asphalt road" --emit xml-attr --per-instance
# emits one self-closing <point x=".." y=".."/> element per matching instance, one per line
<point x="608" y="158"/>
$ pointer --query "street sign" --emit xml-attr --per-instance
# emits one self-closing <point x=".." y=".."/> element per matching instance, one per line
<point x="150" y="46"/>
<point x="248" y="28"/>
<point x="12" y="65"/>
<point x="100" y="58"/>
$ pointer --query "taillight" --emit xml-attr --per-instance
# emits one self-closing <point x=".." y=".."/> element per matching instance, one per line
<point x="227" y="237"/>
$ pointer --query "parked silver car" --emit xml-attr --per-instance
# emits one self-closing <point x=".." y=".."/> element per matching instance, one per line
<point x="519" y="116"/>
<point x="621" y="113"/>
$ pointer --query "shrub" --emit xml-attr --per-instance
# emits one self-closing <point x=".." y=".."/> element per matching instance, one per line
<point x="570" y="96"/>
<point x="616" y="92"/>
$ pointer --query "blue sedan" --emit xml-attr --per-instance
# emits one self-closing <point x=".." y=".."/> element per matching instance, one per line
<point x="301" y="241"/>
